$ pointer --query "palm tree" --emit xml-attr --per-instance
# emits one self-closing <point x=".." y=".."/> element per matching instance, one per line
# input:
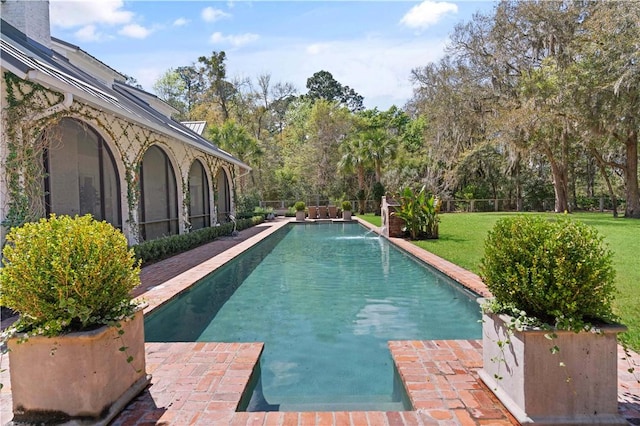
<point x="380" y="147"/>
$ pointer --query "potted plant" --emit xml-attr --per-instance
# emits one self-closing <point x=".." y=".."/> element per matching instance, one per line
<point x="300" y="208"/>
<point x="549" y="336"/>
<point x="346" y="210"/>
<point x="77" y="351"/>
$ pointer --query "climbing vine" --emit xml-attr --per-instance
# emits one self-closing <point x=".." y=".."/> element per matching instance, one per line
<point x="29" y="126"/>
<point x="25" y="144"/>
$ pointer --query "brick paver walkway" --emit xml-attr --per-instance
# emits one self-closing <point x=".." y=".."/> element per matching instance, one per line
<point x="201" y="383"/>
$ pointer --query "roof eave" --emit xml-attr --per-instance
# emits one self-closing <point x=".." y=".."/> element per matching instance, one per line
<point x="55" y="84"/>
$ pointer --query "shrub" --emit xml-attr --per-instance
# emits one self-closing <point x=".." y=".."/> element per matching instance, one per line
<point x="300" y="206"/>
<point x="346" y="206"/>
<point x="558" y="272"/>
<point x="67" y="274"/>
<point x="419" y="211"/>
<point x="160" y="248"/>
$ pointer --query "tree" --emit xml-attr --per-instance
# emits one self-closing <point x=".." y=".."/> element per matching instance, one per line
<point x="606" y="90"/>
<point x="322" y="85"/>
<point x="171" y="89"/>
<point x="193" y="84"/>
<point x="236" y="140"/>
<point x="216" y="88"/>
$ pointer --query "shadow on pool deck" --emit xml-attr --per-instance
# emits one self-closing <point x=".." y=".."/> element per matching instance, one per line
<point x="201" y="383"/>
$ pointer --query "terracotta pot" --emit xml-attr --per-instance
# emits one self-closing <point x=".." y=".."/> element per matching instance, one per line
<point x="533" y="385"/>
<point x="78" y="376"/>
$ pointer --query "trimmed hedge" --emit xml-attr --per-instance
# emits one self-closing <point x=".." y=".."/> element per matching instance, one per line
<point x="558" y="271"/>
<point x="161" y="248"/>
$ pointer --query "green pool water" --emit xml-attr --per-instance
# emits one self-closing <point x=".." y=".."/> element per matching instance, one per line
<point x="325" y="299"/>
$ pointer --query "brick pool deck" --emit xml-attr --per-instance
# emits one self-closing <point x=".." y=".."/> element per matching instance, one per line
<point x="202" y="383"/>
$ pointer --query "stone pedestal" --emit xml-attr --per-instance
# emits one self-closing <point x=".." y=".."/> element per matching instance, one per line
<point x="391" y="224"/>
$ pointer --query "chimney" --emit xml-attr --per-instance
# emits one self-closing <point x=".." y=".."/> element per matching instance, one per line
<point x="31" y="17"/>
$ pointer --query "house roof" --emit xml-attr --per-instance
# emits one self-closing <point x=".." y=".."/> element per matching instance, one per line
<point x="31" y="61"/>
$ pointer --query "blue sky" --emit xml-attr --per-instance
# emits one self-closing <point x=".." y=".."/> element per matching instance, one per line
<point x="371" y="46"/>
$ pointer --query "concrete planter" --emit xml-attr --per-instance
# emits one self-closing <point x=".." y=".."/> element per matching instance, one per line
<point x="535" y="388"/>
<point x="81" y="377"/>
<point x="346" y="215"/>
<point x="300" y="215"/>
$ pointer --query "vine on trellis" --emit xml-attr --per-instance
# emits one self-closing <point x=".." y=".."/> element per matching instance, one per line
<point x="28" y="133"/>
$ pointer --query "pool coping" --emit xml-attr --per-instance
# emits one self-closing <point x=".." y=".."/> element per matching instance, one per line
<point x="202" y="383"/>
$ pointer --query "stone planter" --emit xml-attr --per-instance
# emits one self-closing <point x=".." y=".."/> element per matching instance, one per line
<point x="300" y="215"/>
<point x="82" y="377"/>
<point x="346" y="215"/>
<point x="533" y="385"/>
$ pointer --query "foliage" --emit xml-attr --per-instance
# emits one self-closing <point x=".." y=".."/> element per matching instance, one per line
<point x="161" y="248"/>
<point x="299" y="206"/>
<point x="322" y="85"/>
<point x="247" y="202"/>
<point x="346" y="206"/>
<point x="559" y="272"/>
<point x="377" y="192"/>
<point x="420" y="211"/>
<point x="67" y="274"/>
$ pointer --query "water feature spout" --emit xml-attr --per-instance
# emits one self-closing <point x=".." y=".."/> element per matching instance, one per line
<point x="232" y="218"/>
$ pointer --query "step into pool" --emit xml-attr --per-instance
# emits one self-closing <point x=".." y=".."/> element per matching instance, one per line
<point x="325" y="299"/>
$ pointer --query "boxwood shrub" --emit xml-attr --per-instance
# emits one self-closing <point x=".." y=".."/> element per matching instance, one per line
<point x="67" y="274"/>
<point x="557" y="271"/>
<point x="161" y="248"/>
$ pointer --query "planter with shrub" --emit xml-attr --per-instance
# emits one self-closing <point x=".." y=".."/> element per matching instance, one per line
<point x="549" y="334"/>
<point x="346" y="210"/>
<point x="300" y="208"/>
<point x="77" y="352"/>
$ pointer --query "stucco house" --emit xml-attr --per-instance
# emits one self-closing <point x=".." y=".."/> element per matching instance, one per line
<point x="76" y="139"/>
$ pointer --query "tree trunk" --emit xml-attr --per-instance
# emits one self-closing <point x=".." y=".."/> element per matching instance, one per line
<point x="559" y="172"/>
<point x="603" y="171"/>
<point x="631" y="177"/>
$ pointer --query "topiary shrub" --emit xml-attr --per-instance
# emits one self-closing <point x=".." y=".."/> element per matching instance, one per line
<point x="346" y="206"/>
<point x="66" y="274"/>
<point x="558" y="272"/>
<point x="299" y="206"/>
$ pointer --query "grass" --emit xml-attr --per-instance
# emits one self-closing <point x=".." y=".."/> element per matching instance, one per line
<point x="462" y="242"/>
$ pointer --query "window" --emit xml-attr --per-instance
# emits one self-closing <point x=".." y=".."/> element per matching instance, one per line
<point x="199" y="212"/>
<point x="81" y="174"/>
<point x="158" y="196"/>
<point x="223" y="201"/>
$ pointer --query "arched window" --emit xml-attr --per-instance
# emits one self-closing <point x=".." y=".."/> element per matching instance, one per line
<point x="158" y="196"/>
<point x="81" y="174"/>
<point x="199" y="211"/>
<point x="223" y="200"/>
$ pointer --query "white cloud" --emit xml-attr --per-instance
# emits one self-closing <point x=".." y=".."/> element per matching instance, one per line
<point x="135" y="31"/>
<point x="69" y="14"/>
<point x="378" y="68"/>
<point x="209" y="14"/>
<point x="180" y="22"/>
<point x="88" y="33"/>
<point x="234" y="40"/>
<point x="317" y="48"/>
<point x="427" y="13"/>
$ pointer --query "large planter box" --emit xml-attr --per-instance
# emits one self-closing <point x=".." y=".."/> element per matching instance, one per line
<point x="534" y="386"/>
<point x="82" y="377"/>
<point x="300" y="216"/>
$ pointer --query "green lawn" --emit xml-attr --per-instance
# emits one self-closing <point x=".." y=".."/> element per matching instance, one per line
<point x="462" y="238"/>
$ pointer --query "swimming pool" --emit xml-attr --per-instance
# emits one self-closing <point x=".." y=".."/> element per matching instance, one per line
<point x="325" y="299"/>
